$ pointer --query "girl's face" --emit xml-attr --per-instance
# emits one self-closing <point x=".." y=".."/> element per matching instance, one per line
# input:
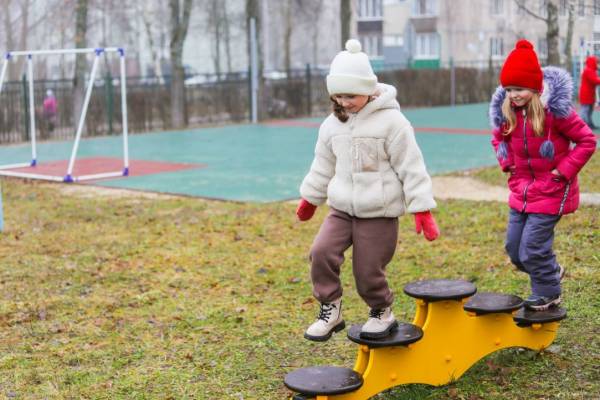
<point x="518" y="95"/>
<point x="351" y="102"/>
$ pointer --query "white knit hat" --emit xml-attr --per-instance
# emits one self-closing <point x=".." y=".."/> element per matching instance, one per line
<point x="350" y="72"/>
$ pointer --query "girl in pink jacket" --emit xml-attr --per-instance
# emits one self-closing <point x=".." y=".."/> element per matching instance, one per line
<point x="542" y="143"/>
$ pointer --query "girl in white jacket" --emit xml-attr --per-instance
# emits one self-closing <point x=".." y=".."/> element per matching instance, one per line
<point x="369" y="169"/>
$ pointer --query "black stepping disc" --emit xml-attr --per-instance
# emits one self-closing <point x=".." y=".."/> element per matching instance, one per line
<point x="488" y="303"/>
<point x="525" y="317"/>
<point x="323" y="380"/>
<point x="404" y="335"/>
<point x="440" y="289"/>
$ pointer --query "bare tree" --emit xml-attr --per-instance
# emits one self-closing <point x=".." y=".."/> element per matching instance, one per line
<point x="287" y="35"/>
<point x="346" y="19"/>
<point x="311" y="11"/>
<point x="552" y="30"/>
<point x="227" y="34"/>
<point x="569" y="38"/>
<point x="148" y="15"/>
<point x="218" y="26"/>
<point x="19" y="24"/>
<point x="81" y="25"/>
<point x="180" y="20"/>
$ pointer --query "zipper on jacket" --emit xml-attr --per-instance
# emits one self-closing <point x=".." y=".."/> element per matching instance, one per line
<point x="564" y="199"/>
<point x="528" y="160"/>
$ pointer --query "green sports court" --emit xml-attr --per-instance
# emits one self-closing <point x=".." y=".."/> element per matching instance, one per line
<point x="263" y="162"/>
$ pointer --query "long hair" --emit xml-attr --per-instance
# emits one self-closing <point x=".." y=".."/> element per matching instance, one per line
<point x="535" y="112"/>
<point x="339" y="111"/>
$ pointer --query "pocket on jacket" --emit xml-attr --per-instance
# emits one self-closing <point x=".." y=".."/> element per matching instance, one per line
<point x="515" y="184"/>
<point x="552" y="186"/>
<point x="365" y="154"/>
<point x="368" y="194"/>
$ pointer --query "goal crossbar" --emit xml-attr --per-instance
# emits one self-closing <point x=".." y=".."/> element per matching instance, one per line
<point x="68" y="177"/>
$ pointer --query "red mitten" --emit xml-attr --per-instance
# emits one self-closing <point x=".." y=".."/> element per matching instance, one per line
<point x="305" y="210"/>
<point x="424" y="222"/>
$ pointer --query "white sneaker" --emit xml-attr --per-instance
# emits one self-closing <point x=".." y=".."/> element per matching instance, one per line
<point x="380" y="323"/>
<point x="328" y="322"/>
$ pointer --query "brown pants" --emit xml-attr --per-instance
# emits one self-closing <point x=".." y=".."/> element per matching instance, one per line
<point x="374" y="242"/>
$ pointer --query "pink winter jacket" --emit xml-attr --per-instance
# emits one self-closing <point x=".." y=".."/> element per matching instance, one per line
<point x="533" y="187"/>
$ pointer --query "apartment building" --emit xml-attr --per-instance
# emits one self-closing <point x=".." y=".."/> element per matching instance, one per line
<point x="431" y="33"/>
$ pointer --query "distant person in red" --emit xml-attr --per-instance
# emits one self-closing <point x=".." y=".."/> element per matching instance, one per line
<point x="587" y="90"/>
<point x="50" y="110"/>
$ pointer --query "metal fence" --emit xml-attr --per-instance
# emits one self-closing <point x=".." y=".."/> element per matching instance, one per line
<point x="214" y="99"/>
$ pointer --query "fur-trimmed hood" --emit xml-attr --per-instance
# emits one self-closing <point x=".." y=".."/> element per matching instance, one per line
<point x="556" y="96"/>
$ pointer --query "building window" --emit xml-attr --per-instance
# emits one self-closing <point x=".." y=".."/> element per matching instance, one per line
<point x="424" y="7"/>
<point x="581" y="8"/>
<point x="427" y="46"/>
<point x="497" y="7"/>
<point x="393" y="41"/>
<point x="596" y="7"/>
<point x="370" y="9"/>
<point x="496" y="47"/>
<point x="596" y="39"/>
<point x="372" y="45"/>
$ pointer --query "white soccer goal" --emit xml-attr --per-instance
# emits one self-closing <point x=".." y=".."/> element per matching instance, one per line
<point x="68" y="177"/>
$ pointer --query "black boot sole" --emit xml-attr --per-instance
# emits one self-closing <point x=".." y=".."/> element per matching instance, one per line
<point x="543" y="307"/>
<point x="326" y="337"/>
<point x="379" y="335"/>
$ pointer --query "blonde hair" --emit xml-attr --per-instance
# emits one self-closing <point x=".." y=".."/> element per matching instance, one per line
<point x="535" y="112"/>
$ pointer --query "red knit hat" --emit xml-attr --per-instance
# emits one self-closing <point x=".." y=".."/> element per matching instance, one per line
<point x="522" y="68"/>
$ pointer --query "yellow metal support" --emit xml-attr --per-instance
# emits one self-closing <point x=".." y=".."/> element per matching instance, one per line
<point x="453" y="340"/>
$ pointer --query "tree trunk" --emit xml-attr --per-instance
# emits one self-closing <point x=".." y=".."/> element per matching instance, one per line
<point x="287" y="37"/>
<point x="552" y="34"/>
<point x="227" y="36"/>
<point x="81" y="13"/>
<point x="153" y="51"/>
<point x="215" y="22"/>
<point x="345" y="20"/>
<point x="180" y="20"/>
<point x="13" y="73"/>
<point x="315" y="32"/>
<point x="569" y="38"/>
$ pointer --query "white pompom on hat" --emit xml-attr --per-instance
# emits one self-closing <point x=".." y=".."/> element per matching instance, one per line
<point x="350" y="72"/>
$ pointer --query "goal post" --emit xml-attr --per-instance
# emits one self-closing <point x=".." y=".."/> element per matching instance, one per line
<point x="69" y="177"/>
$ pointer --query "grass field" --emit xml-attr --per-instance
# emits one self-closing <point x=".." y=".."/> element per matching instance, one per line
<point x="182" y="298"/>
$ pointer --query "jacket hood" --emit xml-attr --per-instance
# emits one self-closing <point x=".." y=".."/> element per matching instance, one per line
<point x="384" y="98"/>
<point x="591" y="62"/>
<point x="556" y="96"/>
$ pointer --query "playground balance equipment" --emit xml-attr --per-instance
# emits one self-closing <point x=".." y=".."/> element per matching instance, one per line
<point x="453" y="328"/>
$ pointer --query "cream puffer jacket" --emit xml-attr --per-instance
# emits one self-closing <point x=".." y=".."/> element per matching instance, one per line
<point x="370" y="166"/>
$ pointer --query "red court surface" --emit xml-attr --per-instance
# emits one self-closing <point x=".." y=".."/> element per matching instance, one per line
<point x="99" y="165"/>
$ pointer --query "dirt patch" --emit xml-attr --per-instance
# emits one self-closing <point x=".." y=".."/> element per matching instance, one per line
<point x="89" y="191"/>
<point x="444" y="187"/>
<point x="465" y="188"/>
